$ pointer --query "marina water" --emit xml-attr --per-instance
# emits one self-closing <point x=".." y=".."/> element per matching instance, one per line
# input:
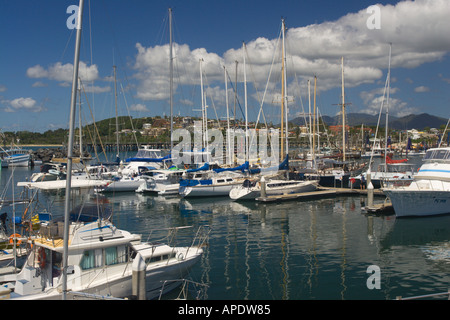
<point x="309" y="249"/>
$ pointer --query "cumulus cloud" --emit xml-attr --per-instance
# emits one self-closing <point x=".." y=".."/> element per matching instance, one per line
<point x="63" y="72"/>
<point x="27" y="104"/>
<point x="421" y="89"/>
<point x="418" y="31"/>
<point x="138" y="107"/>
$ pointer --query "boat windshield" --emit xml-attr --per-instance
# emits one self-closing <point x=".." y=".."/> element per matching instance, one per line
<point x="437" y="154"/>
<point x="148" y="153"/>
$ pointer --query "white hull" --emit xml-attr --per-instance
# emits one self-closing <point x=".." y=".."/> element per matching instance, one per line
<point x="419" y="203"/>
<point x="429" y="193"/>
<point x="207" y="191"/>
<point x="122" y="185"/>
<point x="102" y="261"/>
<point x="19" y="160"/>
<point x="273" y="188"/>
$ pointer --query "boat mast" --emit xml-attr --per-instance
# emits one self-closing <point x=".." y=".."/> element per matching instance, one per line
<point x="387" y="107"/>
<point x="314" y="124"/>
<point x="73" y="101"/>
<point x="282" y="91"/>
<point x="245" y="102"/>
<point x="343" y="111"/>
<point x="171" y="78"/>
<point x="117" y="115"/>
<point x="79" y="119"/>
<point x="228" y="117"/>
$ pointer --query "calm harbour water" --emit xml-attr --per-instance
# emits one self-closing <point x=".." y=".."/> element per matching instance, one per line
<point x="314" y="249"/>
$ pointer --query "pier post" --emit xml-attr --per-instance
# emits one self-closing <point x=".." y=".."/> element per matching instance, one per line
<point x="138" y="278"/>
<point x="369" y="189"/>
<point x="263" y="187"/>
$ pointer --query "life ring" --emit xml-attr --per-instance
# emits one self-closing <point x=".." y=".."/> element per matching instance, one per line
<point x="180" y="256"/>
<point x="15" y="236"/>
<point x="41" y="257"/>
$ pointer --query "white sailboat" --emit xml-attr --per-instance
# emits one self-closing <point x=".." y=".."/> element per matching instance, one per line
<point x="252" y="189"/>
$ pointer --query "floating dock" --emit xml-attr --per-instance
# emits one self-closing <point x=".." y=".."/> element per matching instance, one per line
<point x="319" y="193"/>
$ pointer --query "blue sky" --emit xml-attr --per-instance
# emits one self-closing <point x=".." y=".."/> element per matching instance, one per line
<point x="36" y="57"/>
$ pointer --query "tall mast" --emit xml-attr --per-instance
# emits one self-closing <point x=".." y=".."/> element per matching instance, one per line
<point x="171" y="78"/>
<point x="228" y="117"/>
<point x="314" y="123"/>
<point x="203" y="105"/>
<point x="73" y="102"/>
<point x="117" y="114"/>
<point x="310" y="124"/>
<point x="282" y="96"/>
<point x="79" y="118"/>
<point x="343" y="111"/>
<point x="245" y="102"/>
<point x="387" y="106"/>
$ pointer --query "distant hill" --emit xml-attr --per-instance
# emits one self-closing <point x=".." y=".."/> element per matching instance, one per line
<point x="412" y="121"/>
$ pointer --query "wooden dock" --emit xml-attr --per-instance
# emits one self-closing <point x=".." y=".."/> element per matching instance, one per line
<point x="321" y="192"/>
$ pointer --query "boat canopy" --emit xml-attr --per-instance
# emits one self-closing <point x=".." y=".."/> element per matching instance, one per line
<point x="282" y="166"/>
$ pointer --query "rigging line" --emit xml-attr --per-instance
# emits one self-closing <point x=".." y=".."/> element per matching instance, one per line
<point x="210" y="96"/>
<point x="261" y="111"/>
<point x="131" y="120"/>
<point x="93" y="118"/>
<point x="237" y="98"/>
<point x="378" y="123"/>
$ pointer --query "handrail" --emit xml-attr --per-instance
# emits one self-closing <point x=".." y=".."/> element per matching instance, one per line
<point x="432" y="295"/>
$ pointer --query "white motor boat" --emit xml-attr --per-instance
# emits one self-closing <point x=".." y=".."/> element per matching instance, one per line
<point x="392" y="174"/>
<point x="15" y="157"/>
<point x="210" y="184"/>
<point x="252" y="189"/>
<point x="161" y="182"/>
<point x="429" y="192"/>
<point x="122" y="184"/>
<point x="145" y="157"/>
<point x="101" y="261"/>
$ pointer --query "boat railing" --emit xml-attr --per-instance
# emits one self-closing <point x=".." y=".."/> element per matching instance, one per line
<point x="201" y="237"/>
<point x="425" y="296"/>
<point x="187" y="286"/>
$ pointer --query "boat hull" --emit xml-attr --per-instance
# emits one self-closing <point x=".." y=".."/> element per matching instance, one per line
<point x="206" y="191"/>
<point x="418" y="203"/>
<point x="246" y="193"/>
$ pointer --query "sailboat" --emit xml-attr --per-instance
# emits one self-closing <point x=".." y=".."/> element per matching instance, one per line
<point x="390" y="172"/>
<point x="85" y="252"/>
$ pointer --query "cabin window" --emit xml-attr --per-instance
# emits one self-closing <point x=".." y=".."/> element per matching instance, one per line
<point x="220" y="180"/>
<point x="115" y="255"/>
<point x="160" y="258"/>
<point x="109" y="256"/>
<point x="91" y="259"/>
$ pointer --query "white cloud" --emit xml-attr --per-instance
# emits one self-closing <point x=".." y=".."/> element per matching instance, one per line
<point x="418" y="31"/>
<point x="28" y="104"/>
<point x="63" y="72"/>
<point x="421" y="89"/>
<point x="2" y="88"/>
<point x="39" y="84"/>
<point x="138" y="107"/>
